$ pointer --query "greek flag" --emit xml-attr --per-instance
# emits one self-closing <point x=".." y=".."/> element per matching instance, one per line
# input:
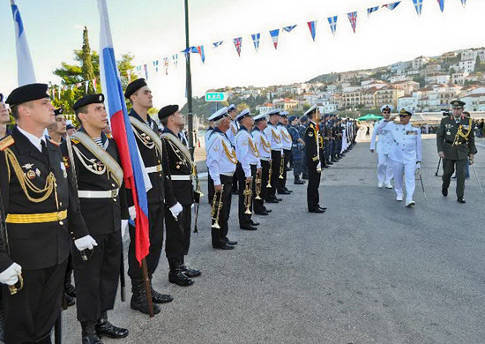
<point x="289" y="28"/>
<point x="333" y="23"/>
<point x="217" y="44"/>
<point x="418" y="5"/>
<point x="372" y="10"/>
<point x="256" y="37"/>
<point x="442" y="5"/>
<point x="25" y="67"/>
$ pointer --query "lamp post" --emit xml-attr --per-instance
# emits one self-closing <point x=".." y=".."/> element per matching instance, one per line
<point x="188" y="86"/>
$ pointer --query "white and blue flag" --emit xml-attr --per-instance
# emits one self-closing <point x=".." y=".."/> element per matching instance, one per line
<point x="25" y="67"/>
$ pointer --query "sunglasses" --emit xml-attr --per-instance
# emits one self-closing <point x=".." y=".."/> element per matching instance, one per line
<point x="401" y="116"/>
<point x="386" y="111"/>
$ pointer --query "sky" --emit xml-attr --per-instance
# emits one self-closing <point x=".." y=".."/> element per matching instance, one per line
<point x="153" y="29"/>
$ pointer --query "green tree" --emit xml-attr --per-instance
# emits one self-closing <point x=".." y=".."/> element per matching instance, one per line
<point x="87" y="64"/>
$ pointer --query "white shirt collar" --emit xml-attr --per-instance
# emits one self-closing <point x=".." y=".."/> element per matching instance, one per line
<point x="36" y="141"/>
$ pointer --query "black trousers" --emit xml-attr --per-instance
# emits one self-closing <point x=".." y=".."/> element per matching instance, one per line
<point x="259" y="204"/>
<point x="244" y="219"/>
<point x="275" y="173"/>
<point x="449" y="168"/>
<point x="286" y="161"/>
<point x="97" y="279"/>
<point x="31" y="313"/>
<point x="68" y="276"/>
<point x="155" y="219"/>
<point x="210" y="188"/>
<point x="177" y="242"/>
<point x="313" y="198"/>
<point x="219" y="235"/>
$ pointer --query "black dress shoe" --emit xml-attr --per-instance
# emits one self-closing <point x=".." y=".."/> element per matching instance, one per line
<point x="248" y="228"/>
<point x="107" y="329"/>
<point x="268" y="210"/>
<point x="254" y="223"/>
<point x="272" y="200"/>
<point x="224" y="247"/>
<point x="287" y="190"/>
<point x="283" y="192"/>
<point x="229" y="242"/>
<point x="179" y="278"/>
<point x="317" y="210"/>
<point x="91" y="339"/>
<point x="299" y="182"/>
<point x="329" y="163"/>
<point x="190" y="272"/>
<point x="262" y="213"/>
<point x="461" y="200"/>
<point x="161" y="298"/>
<point x="322" y="208"/>
<point x="444" y="191"/>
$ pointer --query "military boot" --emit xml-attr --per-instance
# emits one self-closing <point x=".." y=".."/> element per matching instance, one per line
<point x="176" y="275"/>
<point x="158" y="297"/>
<point x="139" y="298"/>
<point x="89" y="335"/>
<point x="106" y="329"/>
<point x="188" y="271"/>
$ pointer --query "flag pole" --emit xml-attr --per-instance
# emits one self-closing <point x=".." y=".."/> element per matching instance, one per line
<point x="147" y="287"/>
<point x="190" y="117"/>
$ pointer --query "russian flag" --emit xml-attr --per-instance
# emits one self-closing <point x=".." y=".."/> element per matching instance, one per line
<point x="25" y="67"/>
<point x="131" y="161"/>
<point x="274" y="36"/>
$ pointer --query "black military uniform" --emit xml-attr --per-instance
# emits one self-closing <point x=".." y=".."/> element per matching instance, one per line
<point x="159" y="196"/>
<point x="455" y="138"/>
<point x="102" y="198"/>
<point x="43" y="217"/>
<point x="312" y="157"/>
<point x="181" y="172"/>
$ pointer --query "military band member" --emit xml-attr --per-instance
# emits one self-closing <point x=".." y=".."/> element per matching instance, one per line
<point x="384" y="165"/>
<point x="159" y="196"/>
<point x="286" y="144"/>
<point x="42" y="216"/>
<point x="456" y="143"/>
<point x="231" y="134"/>
<point x="405" y="153"/>
<point x="210" y="182"/>
<point x="248" y="165"/>
<point x="296" y="149"/>
<point x="312" y="156"/>
<point x="102" y="198"/>
<point x="221" y="162"/>
<point x="272" y="133"/>
<point x="182" y="173"/>
<point x="4" y="118"/>
<point x="264" y="149"/>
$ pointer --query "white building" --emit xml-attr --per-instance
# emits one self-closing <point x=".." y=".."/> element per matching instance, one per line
<point x="459" y="78"/>
<point x="419" y="62"/>
<point x="469" y="55"/>
<point x="409" y="103"/>
<point x="437" y="79"/>
<point x="467" y="66"/>
<point x="474" y="102"/>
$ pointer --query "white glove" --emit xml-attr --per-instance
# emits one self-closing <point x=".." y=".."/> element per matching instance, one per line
<point x="10" y="275"/>
<point x="176" y="209"/>
<point x="86" y="242"/>
<point x="124" y="227"/>
<point x="319" y="166"/>
<point x="132" y="212"/>
<point x="418" y="166"/>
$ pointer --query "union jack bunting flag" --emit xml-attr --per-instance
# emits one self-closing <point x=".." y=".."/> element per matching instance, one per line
<point x="237" y="45"/>
<point x="353" y="19"/>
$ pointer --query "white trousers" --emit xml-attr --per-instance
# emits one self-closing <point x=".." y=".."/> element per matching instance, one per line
<point x="406" y="171"/>
<point x="384" y="168"/>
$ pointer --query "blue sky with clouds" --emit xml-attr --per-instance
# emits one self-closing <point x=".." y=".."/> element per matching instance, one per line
<point x="152" y="29"/>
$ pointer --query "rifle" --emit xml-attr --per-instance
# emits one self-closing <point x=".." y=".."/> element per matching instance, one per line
<point x="437" y="168"/>
<point x="122" y="276"/>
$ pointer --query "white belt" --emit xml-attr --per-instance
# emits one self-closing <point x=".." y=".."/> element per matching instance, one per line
<point x="181" y="177"/>
<point x="228" y="174"/>
<point x="98" y="194"/>
<point x="266" y="159"/>
<point x="153" y="169"/>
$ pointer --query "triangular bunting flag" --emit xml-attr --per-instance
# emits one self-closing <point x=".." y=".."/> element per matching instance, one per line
<point x="165" y="65"/>
<point x="311" y="26"/>
<point x="372" y="10"/>
<point x="442" y="4"/>
<point x="237" y="44"/>
<point x="175" y="59"/>
<point x="274" y="36"/>
<point x="392" y="5"/>
<point x="289" y="28"/>
<point x="200" y="50"/>
<point x="418" y="5"/>
<point x="256" y="37"/>
<point x="155" y="65"/>
<point x="333" y="23"/>
<point x="145" y="68"/>
<point x="353" y="19"/>
<point x="463" y="2"/>
<point x="217" y="44"/>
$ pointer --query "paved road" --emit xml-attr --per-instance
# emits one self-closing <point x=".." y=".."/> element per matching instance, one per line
<point x="367" y="271"/>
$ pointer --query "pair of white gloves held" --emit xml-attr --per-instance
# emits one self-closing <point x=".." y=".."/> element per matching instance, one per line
<point x="10" y="275"/>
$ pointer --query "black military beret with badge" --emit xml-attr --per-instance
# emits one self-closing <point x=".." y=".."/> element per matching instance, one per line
<point x="89" y="99"/>
<point x="27" y="93"/>
<point x="167" y="111"/>
<point x="134" y="86"/>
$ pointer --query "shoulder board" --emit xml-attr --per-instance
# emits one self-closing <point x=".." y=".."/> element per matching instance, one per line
<point x="6" y="142"/>
<point x="54" y="142"/>
<point x="74" y="140"/>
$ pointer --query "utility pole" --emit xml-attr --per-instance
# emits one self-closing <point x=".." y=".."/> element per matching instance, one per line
<point x="188" y="87"/>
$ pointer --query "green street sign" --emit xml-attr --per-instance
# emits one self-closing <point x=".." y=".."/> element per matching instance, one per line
<point x="215" y="96"/>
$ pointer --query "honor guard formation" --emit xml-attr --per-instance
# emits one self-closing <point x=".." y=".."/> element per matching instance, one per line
<point x="65" y="206"/>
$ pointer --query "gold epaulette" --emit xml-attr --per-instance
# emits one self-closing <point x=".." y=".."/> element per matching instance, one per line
<point x="74" y="140"/>
<point x="6" y="142"/>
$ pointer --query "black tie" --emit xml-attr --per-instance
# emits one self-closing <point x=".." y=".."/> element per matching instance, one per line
<point x="44" y="147"/>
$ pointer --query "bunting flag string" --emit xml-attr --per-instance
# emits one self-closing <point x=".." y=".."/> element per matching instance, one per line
<point x="217" y="44"/>
<point x="237" y="45"/>
<point x="311" y="26"/>
<point x="442" y="4"/>
<point x="256" y="37"/>
<point x="353" y="19"/>
<point x="289" y="28"/>
<point x="274" y="36"/>
<point x="333" y="24"/>
<point x="392" y="5"/>
<point x="165" y="65"/>
<point x="372" y="10"/>
<point x="418" y="5"/>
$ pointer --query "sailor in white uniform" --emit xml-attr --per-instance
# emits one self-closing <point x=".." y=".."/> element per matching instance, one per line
<point x="384" y="166"/>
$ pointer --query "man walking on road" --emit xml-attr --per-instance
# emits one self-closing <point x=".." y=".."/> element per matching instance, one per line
<point x="384" y="166"/>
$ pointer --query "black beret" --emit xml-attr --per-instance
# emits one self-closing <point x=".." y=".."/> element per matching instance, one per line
<point x="59" y="111"/>
<point x="27" y="93"/>
<point x="89" y="99"/>
<point x="134" y="86"/>
<point x="1" y="97"/>
<point x="167" y="111"/>
<point x="457" y="103"/>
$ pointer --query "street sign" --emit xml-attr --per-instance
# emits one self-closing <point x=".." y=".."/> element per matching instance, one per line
<point x="215" y="96"/>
